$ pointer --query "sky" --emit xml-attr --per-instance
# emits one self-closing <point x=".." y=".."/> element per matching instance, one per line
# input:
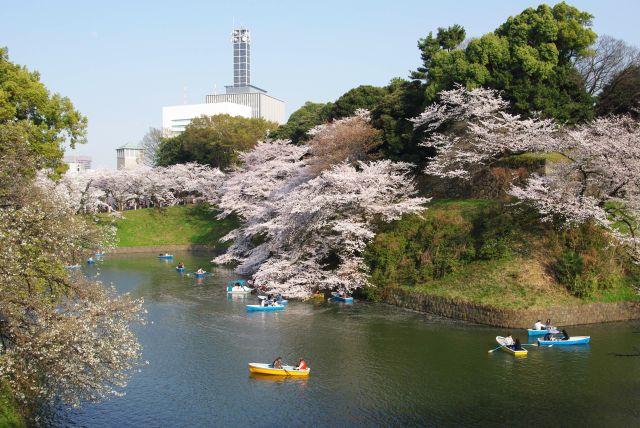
<point x="120" y="62"/>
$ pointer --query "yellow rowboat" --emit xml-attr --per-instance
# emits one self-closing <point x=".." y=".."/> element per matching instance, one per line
<point x="284" y="371"/>
<point x="519" y="353"/>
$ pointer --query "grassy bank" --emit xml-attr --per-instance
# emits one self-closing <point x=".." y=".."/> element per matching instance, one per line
<point x="486" y="252"/>
<point x="183" y="224"/>
<point x="9" y="415"/>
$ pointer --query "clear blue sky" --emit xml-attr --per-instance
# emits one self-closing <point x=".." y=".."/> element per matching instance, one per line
<point x="121" y="61"/>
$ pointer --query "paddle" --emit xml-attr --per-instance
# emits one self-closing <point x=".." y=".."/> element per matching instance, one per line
<point x="496" y="349"/>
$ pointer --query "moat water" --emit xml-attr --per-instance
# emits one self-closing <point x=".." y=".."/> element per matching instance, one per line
<point x="371" y="364"/>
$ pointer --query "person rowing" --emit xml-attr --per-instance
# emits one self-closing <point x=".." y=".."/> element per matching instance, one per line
<point x="508" y="341"/>
<point x="277" y="363"/>
<point x="180" y="265"/>
<point x="539" y="326"/>
<point x="200" y="271"/>
<point x="302" y="365"/>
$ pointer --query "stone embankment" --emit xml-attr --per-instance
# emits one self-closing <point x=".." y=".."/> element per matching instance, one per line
<point x="588" y="313"/>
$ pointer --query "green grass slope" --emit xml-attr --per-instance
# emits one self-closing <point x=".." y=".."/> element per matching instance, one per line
<point x="9" y="414"/>
<point x="182" y="224"/>
<point x="488" y="252"/>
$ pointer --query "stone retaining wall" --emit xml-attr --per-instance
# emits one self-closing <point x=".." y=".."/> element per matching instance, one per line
<point x="166" y="249"/>
<point x="590" y="313"/>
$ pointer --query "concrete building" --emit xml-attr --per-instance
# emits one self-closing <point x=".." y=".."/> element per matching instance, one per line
<point x="129" y="156"/>
<point x="176" y="118"/>
<point x="77" y="163"/>
<point x="242" y="92"/>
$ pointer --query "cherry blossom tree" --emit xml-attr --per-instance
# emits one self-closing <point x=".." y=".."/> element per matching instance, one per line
<point x="349" y="139"/>
<point x="104" y="190"/>
<point x="471" y="130"/>
<point x="303" y="230"/>
<point x="323" y="225"/>
<point x="267" y="173"/>
<point x="599" y="181"/>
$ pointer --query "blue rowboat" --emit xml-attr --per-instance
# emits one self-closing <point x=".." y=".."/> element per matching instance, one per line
<point x="255" y="308"/>
<point x="533" y="332"/>
<point x="282" y="302"/>
<point x="200" y="275"/>
<point x="72" y="267"/>
<point x="90" y="261"/>
<point x="337" y="298"/>
<point x="573" y="340"/>
<point x="166" y="256"/>
<point x="180" y="269"/>
<point x="99" y="254"/>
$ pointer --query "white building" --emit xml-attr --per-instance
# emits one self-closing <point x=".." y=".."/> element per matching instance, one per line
<point x="261" y="104"/>
<point x="176" y="118"/>
<point x="77" y="164"/>
<point x="129" y="156"/>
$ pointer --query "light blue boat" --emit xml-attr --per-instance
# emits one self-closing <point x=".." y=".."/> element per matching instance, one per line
<point x="72" y="267"/>
<point x="180" y="269"/>
<point x="99" y="254"/>
<point x="200" y="275"/>
<point x="573" y="340"/>
<point x="337" y="298"/>
<point x="533" y="332"/>
<point x="256" y="308"/>
<point x="166" y="256"/>
<point x="90" y="261"/>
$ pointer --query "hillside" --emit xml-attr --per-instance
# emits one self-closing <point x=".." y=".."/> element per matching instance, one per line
<point x="181" y="224"/>
<point x="487" y="252"/>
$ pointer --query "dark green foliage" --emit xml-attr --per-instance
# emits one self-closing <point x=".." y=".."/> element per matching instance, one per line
<point x="363" y="97"/>
<point x="402" y="100"/>
<point x="529" y="58"/>
<point x="414" y="249"/>
<point x="456" y="237"/>
<point x="302" y="120"/>
<point x="213" y="140"/>
<point x="622" y="94"/>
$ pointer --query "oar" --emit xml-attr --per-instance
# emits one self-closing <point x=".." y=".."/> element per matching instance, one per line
<point x="496" y="349"/>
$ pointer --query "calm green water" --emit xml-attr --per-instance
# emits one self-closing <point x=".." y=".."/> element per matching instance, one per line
<point x="372" y="365"/>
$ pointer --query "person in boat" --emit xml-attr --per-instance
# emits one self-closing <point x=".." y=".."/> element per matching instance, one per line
<point x="517" y="346"/>
<point x="277" y="363"/>
<point x="278" y="298"/>
<point x="263" y="302"/>
<point x="180" y="265"/>
<point x="548" y="325"/>
<point x="341" y="293"/>
<point x="565" y="335"/>
<point x="250" y="283"/>
<point x="200" y="271"/>
<point x="302" y="364"/>
<point x="238" y="287"/>
<point x="539" y="326"/>
<point x="508" y="341"/>
<point x="90" y="260"/>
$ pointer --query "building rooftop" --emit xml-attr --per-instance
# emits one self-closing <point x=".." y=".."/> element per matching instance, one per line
<point x="130" y="146"/>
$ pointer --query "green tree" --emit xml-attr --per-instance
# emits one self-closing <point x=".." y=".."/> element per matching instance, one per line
<point x="302" y="120"/>
<point x="530" y="58"/>
<point x="214" y="140"/>
<point x="48" y="120"/>
<point x="402" y="100"/>
<point x="363" y="97"/>
<point x="622" y="94"/>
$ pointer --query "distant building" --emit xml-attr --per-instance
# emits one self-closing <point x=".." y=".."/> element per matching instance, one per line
<point x="77" y="164"/>
<point x="242" y="92"/>
<point x="129" y="156"/>
<point x="176" y="118"/>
